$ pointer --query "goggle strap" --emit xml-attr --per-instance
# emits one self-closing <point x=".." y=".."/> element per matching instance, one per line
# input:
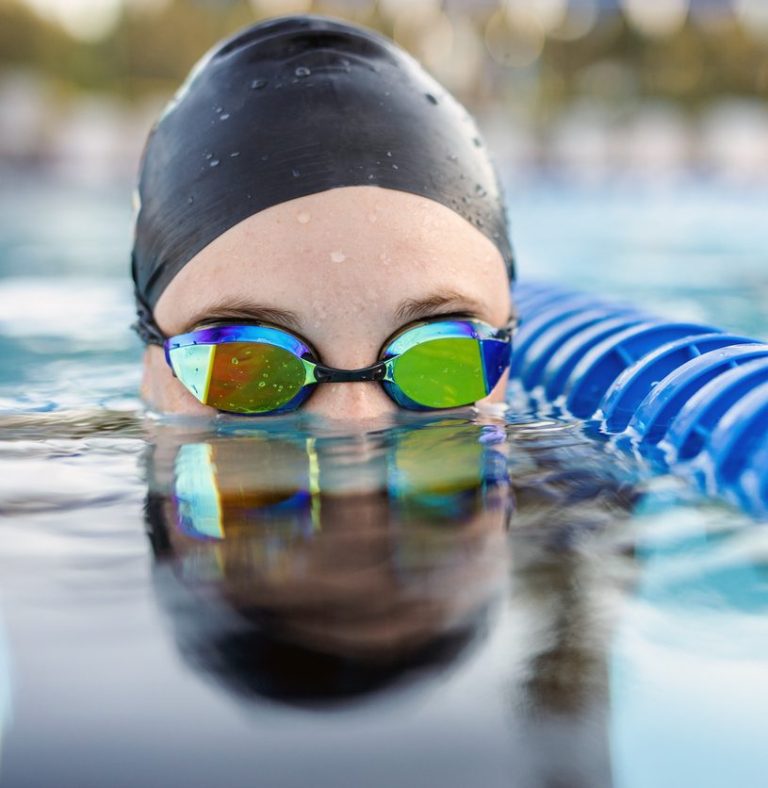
<point x="145" y="326"/>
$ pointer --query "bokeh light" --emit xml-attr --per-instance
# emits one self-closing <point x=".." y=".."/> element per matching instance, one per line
<point x="546" y="15"/>
<point x="656" y="17"/>
<point x="413" y="12"/>
<point x="275" y="7"/>
<point x="578" y="20"/>
<point x="88" y="20"/>
<point x="753" y="15"/>
<point x="452" y="50"/>
<point x="514" y="40"/>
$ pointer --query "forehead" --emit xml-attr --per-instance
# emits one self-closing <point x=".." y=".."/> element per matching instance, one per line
<point x="341" y="252"/>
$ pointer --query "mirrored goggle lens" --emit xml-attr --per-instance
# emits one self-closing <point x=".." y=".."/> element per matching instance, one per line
<point x="233" y="489"/>
<point x="442" y="373"/>
<point x="239" y="377"/>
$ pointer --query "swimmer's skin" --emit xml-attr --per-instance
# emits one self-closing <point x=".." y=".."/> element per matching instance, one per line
<point x="346" y="262"/>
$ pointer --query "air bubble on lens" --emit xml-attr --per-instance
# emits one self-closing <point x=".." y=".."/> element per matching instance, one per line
<point x="262" y="384"/>
<point x="302" y="71"/>
<point x="235" y="361"/>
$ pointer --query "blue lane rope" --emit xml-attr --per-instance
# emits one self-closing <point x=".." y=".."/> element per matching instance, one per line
<point x="690" y="398"/>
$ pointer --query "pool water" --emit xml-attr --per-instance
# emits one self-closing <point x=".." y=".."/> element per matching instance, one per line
<point x="485" y="599"/>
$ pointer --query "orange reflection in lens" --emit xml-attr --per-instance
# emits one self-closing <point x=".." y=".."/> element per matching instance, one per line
<point x="253" y="377"/>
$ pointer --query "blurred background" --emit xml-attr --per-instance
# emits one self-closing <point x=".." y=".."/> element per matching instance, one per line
<point x="587" y="89"/>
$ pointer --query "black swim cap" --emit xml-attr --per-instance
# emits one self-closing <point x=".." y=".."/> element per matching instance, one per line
<point x="287" y="108"/>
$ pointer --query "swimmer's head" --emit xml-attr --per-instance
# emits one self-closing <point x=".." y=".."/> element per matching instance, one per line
<point x="311" y="175"/>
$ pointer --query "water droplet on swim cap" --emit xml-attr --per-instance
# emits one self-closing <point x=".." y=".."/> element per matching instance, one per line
<point x="302" y="71"/>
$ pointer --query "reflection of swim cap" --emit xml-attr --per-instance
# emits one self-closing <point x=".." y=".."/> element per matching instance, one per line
<point x="291" y="107"/>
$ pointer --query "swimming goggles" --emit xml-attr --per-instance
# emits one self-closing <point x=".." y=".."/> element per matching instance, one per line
<point x="259" y="369"/>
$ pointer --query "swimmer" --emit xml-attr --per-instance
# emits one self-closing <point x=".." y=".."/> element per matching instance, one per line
<point x="319" y="226"/>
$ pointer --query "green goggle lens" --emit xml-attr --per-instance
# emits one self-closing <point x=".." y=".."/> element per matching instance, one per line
<point x="240" y="377"/>
<point x="441" y="373"/>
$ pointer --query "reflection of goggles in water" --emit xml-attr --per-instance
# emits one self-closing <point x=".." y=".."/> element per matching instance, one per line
<point x="258" y="369"/>
<point x="432" y="475"/>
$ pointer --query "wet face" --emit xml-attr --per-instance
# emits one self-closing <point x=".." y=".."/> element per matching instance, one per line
<point x="346" y="269"/>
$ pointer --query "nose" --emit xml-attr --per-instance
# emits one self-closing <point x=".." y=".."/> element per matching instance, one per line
<point x="359" y="402"/>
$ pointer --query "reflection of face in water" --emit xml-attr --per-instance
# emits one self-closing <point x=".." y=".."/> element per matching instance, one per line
<point x="311" y="567"/>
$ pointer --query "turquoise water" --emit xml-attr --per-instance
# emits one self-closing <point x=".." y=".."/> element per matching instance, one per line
<point x="482" y="599"/>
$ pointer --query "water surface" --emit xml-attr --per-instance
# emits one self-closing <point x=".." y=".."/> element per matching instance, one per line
<point x="486" y="599"/>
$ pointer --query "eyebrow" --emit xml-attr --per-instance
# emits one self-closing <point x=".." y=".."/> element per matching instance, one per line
<point x="408" y="310"/>
<point x="245" y="310"/>
<point x="414" y="308"/>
